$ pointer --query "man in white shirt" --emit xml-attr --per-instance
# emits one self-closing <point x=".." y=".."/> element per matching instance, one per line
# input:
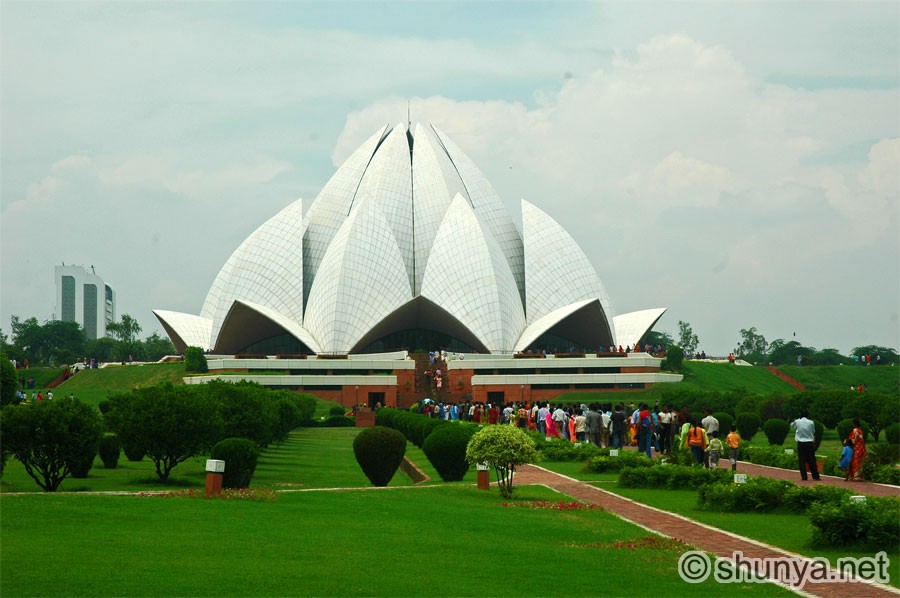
<point x="560" y="417"/>
<point x="805" y="436"/>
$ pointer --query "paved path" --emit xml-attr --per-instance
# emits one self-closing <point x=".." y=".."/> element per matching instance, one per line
<point x="704" y="537"/>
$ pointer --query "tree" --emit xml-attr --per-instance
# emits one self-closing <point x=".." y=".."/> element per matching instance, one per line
<point x="125" y="332"/>
<point x="888" y="355"/>
<point x="752" y="344"/>
<point x="503" y="448"/>
<point x="52" y="342"/>
<point x="8" y="381"/>
<point x="46" y="437"/>
<point x="171" y="424"/>
<point x="687" y="340"/>
<point x="661" y="338"/>
<point x="157" y="347"/>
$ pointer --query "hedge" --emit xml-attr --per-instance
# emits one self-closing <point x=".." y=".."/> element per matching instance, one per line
<point x="379" y="451"/>
<point x="776" y="431"/>
<point x="240" y="456"/>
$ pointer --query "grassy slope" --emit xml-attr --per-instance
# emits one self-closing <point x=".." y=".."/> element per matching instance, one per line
<point x="881" y="379"/>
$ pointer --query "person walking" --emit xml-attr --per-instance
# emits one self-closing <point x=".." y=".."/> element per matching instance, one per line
<point x="858" y="442"/>
<point x="805" y="435"/>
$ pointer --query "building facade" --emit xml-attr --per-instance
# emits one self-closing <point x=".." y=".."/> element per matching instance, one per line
<point x="83" y="297"/>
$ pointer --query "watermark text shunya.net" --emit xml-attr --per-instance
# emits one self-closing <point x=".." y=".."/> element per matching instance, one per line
<point x="695" y="566"/>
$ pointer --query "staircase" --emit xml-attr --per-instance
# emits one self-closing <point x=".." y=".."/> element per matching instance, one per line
<point x="786" y="378"/>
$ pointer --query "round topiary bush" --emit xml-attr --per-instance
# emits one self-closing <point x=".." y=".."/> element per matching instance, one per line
<point x="725" y="423"/>
<point x="892" y="434"/>
<point x="103" y="406"/>
<point x="845" y="426"/>
<point x="776" y="430"/>
<point x="379" y="452"/>
<point x="445" y="447"/>
<point x="336" y="410"/>
<point x="748" y="425"/>
<point x="110" y="448"/>
<point x="240" y="456"/>
<point x="133" y="453"/>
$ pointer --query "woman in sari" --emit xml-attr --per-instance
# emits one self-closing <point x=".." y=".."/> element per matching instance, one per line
<point x="551" y="426"/>
<point x="858" y="442"/>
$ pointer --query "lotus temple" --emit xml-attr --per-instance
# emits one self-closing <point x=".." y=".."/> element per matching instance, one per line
<point x="408" y="250"/>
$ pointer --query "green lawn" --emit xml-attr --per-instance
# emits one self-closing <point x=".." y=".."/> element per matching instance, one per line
<point x="881" y="379"/>
<point x="433" y="541"/>
<point x="790" y="531"/>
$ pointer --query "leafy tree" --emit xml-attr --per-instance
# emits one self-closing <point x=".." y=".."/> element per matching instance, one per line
<point x="171" y="424"/>
<point x="880" y="411"/>
<point x="156" y="347"/>
<point x="52" y="342"/>
<point x="826" y="405"/>
<point x="246" y="409"/>
<point x="661" y="338"/>
<point x="125" y="332"/>
<point x="687" y="340"/>
<point x="102" y="349"/>
<point x="752" y="346"/>
<point x="48" y="436"/>
<point x="503" y="448"/>
<point x="888" y="355"/>
<point x="8" y="382"/>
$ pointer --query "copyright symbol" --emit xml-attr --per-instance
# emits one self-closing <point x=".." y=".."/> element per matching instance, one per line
<point x="694" y="566"/>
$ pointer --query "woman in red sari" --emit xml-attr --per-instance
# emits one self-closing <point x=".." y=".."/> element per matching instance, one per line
<point x="858" y="442"/>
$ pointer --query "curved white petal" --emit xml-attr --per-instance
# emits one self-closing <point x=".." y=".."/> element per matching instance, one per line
<point x="361" y="280"/>
<point x="489" y="208"/>
<point x="248" y="322"/>
<point x="185" y="330"/>
<point x="468" y="276"/>
<point x="332" y="205"/>
<point x="265" y="269"/>
<point x="633" y="326"/>
<point x="557" y="273"/>
<point x="546" y="322"/>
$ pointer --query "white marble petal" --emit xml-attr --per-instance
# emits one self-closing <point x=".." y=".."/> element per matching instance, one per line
<point x="185" y="330"/>
<point x="633" y="326"/>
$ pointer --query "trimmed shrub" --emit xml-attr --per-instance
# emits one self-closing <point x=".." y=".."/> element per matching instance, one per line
<point x="800" y="498"/>
<point x="892" y="434"/>
<point x="103" y="406"/>
<point x="195" y="360"/>
<point x="133" y="452"/>
<point x="748" y="425"/>
<point x="240" y="456"/>
<point x="869" y="524"/>
<point x="776" y="430"/>
<point x="845" y="426"/>
<point x="725" y="423"/>
<point x="881" y="474"/>
<point x="445" y="447"/>
<point x="818" y="433"/>
<point x="674" y="358"/>
<point x="339" y="421"/>
<point x="671" y="476"/>
<point x="625" y="459"/>
<point x="379" y="451"/>
<point x="757" y="494"/>
<point x="336" y="410"/>
<point x="110" y="448"/>
<point x="773" y="456"/>
<point x="562" y="450"/>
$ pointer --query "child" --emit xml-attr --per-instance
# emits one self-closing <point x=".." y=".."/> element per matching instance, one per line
<point x="733" y="441"/>
<point x="846" y="457"/>
<point x="715" y="450"/>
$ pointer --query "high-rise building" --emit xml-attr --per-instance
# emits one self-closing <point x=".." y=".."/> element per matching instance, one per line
<point x="83" y="297"/>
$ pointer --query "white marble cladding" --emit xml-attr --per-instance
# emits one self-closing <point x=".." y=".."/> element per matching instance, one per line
<point x="300" y="380"/>
<point x="575" y="379"/>
<point x="634" y="360"/>
<point x="407" y="215"/>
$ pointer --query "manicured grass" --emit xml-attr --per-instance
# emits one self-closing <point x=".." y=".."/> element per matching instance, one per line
<point x="881" y="379"/>
<point x="309" y="458"/>
<point x="434" y="541"/>
<point x="790" y="531"/>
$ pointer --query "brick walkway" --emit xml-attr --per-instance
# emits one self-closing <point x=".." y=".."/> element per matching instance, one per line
<point x="702" y="536"/>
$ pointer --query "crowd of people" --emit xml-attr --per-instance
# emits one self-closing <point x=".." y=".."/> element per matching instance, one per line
<point x="658" y="429"/>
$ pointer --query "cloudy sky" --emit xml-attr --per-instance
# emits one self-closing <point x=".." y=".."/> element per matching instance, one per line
<point x="738" y="163"/>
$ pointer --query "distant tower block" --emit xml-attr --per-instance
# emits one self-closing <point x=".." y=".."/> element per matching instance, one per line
<point x="83" y="297"/>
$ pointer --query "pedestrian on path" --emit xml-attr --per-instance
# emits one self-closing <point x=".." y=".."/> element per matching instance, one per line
<point x="805" y="431"/>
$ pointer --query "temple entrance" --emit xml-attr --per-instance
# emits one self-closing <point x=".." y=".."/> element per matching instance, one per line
<point x="375" y="398"/>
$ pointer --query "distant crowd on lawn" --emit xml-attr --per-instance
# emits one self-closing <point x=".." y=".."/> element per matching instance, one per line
<point x="605" y="425"/>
